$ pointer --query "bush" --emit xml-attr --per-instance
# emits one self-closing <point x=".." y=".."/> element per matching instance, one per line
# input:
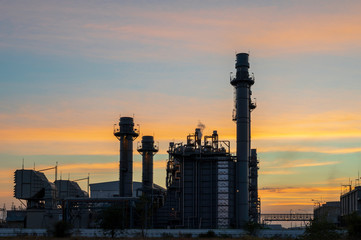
<point x="62" y="229"/>
<point x="321" y="229"/>
<point x="167" y="235"/>
<point x="113" y="219"/>
<point x="209" y="234"/>
<point x="223" y="236"/>
<point x="185" y="235"/>
<point x="353" y="223"/>
<point x="252" y="227"/>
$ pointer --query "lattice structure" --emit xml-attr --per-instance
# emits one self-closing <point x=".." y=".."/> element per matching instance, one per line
<point x="287" y="217"/>
<point x="223" y="195"/>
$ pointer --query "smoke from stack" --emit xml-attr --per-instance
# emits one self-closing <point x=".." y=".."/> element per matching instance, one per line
<point x="201" y="128"/>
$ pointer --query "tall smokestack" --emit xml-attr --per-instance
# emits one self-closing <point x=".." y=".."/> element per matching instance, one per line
<point x="126" y="135"/>
<point x="147" y="150"/>
<point x="242" y="83"/>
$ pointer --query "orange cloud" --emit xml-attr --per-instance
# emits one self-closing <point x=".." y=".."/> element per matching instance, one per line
<point x="101" y="167"/>
<point x="300" y="163"/>
<point x="296" y="196"/>
<point x="302" y="125"/>
<point x="297" y="148"/>
<point x="291" y="204"/>
<point x="271" y="30"/>
<point x="299" y="192"/>
<point x="52" y="136"/>
<point x="57" y="134"/>
<point x="276" y="172"/>
<point x="315" y="164"/>
<point x="275" y="34"/>
<point x="299" y="189"/>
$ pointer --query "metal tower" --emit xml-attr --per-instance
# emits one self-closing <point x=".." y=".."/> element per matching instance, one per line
<point x="126" y="134"/>
<point x="243" y="104"/>
<point x="147" y="149"/>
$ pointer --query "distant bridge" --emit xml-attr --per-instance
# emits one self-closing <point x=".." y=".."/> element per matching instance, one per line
<point x="286" y="217"/>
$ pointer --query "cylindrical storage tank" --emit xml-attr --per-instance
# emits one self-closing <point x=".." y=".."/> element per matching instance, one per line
<point x="147" y="149"/>
<point x="126" y="135"/>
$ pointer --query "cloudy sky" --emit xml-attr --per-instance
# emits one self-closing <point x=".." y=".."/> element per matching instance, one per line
<point x="69" y="69"/>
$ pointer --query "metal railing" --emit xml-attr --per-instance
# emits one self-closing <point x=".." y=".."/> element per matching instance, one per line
<point x="287" y="217"/>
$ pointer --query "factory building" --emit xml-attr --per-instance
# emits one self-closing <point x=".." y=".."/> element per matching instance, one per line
<point x="329" y="212"/>
<point x="200" y="184"/>
<point x="207" y="186"/>
<point x="43" y="198"/>
<point x="200" y="180"/>
<point x="351" y="202"/>
<point x="69" y="189"/>
<point x="34" y="187"/>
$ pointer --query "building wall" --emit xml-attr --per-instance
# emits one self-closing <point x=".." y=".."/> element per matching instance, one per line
<point x="329" y="212"/>
<point x="351" y="202"/>
<point x="110" y="189"/>
<point x="43" y="218"/>
<point x="202" y="194"/>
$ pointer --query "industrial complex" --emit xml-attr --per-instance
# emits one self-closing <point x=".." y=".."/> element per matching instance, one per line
<point x="207" y="187"/>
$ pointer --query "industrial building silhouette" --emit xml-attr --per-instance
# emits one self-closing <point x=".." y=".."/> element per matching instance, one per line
<point x="206" y="186"/>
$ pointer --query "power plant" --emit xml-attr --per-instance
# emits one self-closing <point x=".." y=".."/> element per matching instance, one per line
<point x="207" y="187"/>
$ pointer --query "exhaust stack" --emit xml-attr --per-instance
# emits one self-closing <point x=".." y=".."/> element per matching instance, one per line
<point x="243" y="104"/>
<point x="126" y="134"/>
<point x="147" y="149"/>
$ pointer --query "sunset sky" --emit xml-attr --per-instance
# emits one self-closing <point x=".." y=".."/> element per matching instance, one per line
<point x="69" y="69"/>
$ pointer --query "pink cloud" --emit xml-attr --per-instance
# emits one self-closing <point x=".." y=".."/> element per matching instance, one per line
<point x="161" y="34"/>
